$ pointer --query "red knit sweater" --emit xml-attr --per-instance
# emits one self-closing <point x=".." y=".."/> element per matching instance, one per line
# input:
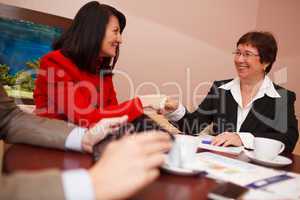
<point x="63" y="91"/>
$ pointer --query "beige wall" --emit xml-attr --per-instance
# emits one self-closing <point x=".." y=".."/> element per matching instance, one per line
<point x="282" y="18"/>
<point x="165" y="38"/>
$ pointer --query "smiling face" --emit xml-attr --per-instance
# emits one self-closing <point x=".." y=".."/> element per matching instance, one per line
<point x="112" y="38"/>
<point x="247" y="63"/>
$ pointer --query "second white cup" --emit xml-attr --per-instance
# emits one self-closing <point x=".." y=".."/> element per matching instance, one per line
<point x="267" y="149"/>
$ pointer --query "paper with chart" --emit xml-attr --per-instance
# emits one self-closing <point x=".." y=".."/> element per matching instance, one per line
<point x="246" y="174"/>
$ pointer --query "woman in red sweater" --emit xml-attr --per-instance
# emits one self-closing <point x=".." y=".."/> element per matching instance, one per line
<point x="74" y="82"/>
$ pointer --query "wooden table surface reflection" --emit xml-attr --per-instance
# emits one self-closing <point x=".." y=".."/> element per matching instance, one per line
<point x="169" y="187"/>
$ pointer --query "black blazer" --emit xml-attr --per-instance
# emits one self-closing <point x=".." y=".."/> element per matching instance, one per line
<point x="269" y="117"/>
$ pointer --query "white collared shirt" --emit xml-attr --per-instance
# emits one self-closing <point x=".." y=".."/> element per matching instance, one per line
<point x="267" y="88"/>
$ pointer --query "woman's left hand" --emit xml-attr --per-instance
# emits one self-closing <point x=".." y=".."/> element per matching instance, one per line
<point x="226" y="139"/>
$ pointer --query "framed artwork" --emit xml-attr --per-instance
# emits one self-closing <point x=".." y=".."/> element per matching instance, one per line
<point x="25" y="36"/>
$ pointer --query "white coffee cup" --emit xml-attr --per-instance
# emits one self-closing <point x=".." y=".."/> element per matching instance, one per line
<point x="183" y="151"/>
<point x="267" y="149"/>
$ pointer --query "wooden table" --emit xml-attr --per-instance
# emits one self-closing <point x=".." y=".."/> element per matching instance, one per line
<point x="168" y="187"/>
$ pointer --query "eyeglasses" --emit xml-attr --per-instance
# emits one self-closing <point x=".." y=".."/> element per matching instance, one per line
<point x="246" y="55"/>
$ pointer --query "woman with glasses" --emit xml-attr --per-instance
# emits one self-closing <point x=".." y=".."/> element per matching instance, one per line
<point x="249" y="106"/>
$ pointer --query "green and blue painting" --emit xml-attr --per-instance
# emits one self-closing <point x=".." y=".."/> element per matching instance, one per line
<point x="22" y="43"/>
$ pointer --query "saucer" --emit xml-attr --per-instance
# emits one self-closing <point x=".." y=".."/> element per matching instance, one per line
<point x="181" y="171"/>
<point x="279" y="161"/>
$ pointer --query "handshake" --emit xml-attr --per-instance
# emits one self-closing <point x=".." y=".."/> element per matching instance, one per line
<point x="159" y="102"/>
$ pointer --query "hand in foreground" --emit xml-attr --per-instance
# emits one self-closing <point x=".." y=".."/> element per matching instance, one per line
<point x="226" y="139"/>
<point x="100" y="130"/>
<point x="155" y="101"/>
<point x="170" y="106"/>
<point x="129" y="164"/>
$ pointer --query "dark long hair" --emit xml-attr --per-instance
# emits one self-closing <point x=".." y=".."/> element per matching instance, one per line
<point x="82" y="41"/>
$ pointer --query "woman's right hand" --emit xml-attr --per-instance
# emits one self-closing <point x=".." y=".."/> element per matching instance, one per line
<point x="170" y="106"/>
